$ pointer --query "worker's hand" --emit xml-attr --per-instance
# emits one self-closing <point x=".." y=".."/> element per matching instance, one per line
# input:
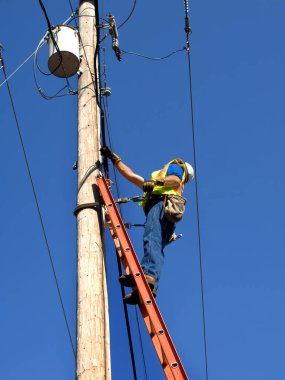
<point x="149" y="185"/>
<point x="107" y="152"/>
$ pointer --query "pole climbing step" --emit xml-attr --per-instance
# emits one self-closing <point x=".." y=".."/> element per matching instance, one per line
<point x="156" y="327"/>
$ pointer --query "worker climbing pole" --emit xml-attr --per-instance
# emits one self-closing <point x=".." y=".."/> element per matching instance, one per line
<point x="164" y="206"/>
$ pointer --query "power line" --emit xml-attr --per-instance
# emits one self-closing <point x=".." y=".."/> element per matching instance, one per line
<point x="37" y="206"/>
<point x="153" y="58"/>
<point x="188" y="32"/>
<point x="130" y="15"/>
<point x="127" y="320"/>
<point x="141" y="344"/>
<point x="18" y="68"/>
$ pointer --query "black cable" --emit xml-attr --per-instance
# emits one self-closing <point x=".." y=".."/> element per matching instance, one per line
<point x="123" y="293"/>
<point x="51" y="33"/>
<point x="188" y="31"/>
<point x="153" y="58"/>
<point x="141" y="344"/>
<point x="37" y="205"/>
<point x="129" y="16"/>
<point x="127" y="319"/>
<point x="108" y="125"/>
<point x="98" y="93"/>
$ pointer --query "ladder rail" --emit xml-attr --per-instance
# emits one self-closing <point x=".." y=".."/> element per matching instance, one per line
<point x="155" y="324"/>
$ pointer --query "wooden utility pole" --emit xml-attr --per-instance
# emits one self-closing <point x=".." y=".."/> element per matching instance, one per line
<point x="93" y="341"/>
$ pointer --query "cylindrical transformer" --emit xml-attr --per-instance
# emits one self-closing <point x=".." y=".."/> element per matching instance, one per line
<point x="64" y="61"/>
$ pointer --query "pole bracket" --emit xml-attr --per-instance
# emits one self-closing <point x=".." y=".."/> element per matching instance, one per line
<point x="83" y="206"/>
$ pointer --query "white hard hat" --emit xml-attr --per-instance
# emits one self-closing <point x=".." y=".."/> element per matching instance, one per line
<point x="189" y="172"/>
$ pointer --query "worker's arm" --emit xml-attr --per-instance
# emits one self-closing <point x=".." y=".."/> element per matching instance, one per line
<point x="122" y="168"/>
<point x="170" y="180"/>
<point x="129" y="174"/>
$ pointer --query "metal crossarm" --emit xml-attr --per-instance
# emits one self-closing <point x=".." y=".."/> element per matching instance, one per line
<point x="156" y="327"/>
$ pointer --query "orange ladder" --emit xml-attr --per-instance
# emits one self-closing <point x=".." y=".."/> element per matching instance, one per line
<point x="156" y="327"/>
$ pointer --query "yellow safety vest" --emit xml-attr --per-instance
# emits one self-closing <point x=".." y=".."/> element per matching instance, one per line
<point x="170" y="189"/>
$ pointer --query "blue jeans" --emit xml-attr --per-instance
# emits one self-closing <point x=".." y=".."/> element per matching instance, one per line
<point x="157" y="233"/>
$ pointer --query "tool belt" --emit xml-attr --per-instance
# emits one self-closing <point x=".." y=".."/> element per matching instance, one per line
<point x="174" y="207"/>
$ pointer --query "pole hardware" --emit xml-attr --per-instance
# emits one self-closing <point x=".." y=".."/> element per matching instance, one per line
<point x="83" y="206"/>
<point x="136" y="198"/>
<point x="115" y="36"/>
<point x="105" y="91"/>
<point x="129" y="225"/>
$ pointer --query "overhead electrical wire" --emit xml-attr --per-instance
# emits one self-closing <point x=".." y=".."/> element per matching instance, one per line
<point x="38" y="206"/>
<point x="17" y="69"/>
<point x="188" y="32"/>
<point x="129" y="16"/>
<point x="51" y="35"/>
<point x="153" y="58"/>
<point x="118" y="192"/>
<point x="141" y="344"/>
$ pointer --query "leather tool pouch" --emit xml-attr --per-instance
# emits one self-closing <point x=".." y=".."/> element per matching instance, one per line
<point x="174" y="207"/>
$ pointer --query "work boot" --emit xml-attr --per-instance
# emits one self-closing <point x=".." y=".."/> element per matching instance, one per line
<point x="127" y="280"/>
<point x="151" y="282"/>
<point x="134" y="297"/>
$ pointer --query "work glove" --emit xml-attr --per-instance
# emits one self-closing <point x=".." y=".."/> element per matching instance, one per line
<point x="149" y="185"/>
<point x="107" y="152"/>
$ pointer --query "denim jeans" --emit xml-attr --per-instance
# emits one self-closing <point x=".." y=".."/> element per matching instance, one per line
<point x="157" y="233"/>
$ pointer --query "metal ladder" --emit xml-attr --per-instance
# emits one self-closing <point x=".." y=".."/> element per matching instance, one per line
<point x="155" y="325"/>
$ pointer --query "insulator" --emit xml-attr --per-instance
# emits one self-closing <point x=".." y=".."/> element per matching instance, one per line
<point x="186" y="6"/>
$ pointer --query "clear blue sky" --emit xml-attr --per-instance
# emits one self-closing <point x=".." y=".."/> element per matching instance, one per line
<point x="238" y="65"/>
